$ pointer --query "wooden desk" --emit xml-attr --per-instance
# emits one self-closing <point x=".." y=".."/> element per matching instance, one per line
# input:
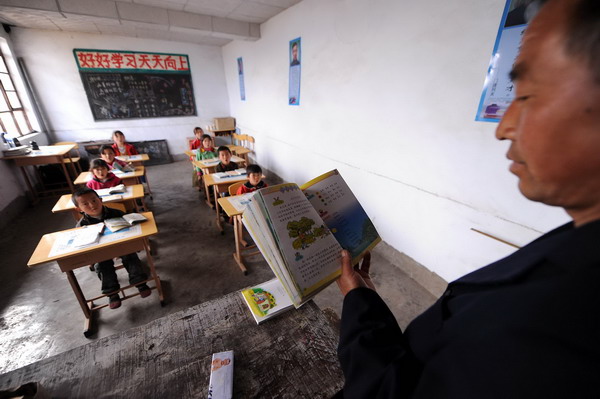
<point x="290" y="356"/>
<point x="241" y="245"/>
<point x="129" y="180"/>
<point x="135" y="161"/>
<point x="97" y="253"/>
<point x="53" y="154"/>
<point x="219" y="186"/>
<point x="64" y="204"/>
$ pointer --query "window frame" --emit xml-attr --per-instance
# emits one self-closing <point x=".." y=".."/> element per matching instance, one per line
<point x="12" y="110"/>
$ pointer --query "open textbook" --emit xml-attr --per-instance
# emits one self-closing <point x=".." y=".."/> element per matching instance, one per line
<point x="120" y="223"/>
<point x="301" y="231"/>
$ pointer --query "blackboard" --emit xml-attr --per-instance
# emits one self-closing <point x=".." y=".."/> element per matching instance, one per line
<point x="158" y="150"/>
<point x="120" y="95"/>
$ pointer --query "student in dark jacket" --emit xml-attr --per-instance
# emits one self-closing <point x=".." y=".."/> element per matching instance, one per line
<point x="527" y="326"/>
<point x="90" y="205"/>
<point x="226" y="163"/>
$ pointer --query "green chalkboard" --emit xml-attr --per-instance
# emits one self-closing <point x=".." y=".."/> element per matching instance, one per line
<point x="138" y="95"/>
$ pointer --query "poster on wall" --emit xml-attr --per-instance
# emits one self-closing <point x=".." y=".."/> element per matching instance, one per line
<point x="240" y="64"/>
<point x="498" y="89"/>
<point x="131" y="84"/>
<point x="294" y="57"/>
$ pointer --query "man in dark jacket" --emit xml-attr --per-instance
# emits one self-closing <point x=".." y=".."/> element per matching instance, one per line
<point x="527" y="326"/>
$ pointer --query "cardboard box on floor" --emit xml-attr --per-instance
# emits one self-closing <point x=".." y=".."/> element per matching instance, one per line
<point x="226" y="123"/>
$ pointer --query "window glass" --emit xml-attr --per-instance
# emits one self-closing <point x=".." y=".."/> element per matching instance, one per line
<point x="6" y="81"/>
<point x="3" y="105"/>
<point x="13" y="98"/>
<point x="22" y="122"/>
<point x="9" y="124"/>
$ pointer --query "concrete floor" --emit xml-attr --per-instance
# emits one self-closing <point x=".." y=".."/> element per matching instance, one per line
<point x="39" y="316"/>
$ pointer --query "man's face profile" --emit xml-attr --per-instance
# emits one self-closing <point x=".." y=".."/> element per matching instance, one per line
<point x="553" y="122"/>
<point x="295" y="52"/>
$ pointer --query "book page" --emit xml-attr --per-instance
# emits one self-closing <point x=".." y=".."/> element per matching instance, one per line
<point x="342" y="213"/>
<point x="64" y="242"/>
<point x="240" y="202"/>
<point x="311" y="253"/>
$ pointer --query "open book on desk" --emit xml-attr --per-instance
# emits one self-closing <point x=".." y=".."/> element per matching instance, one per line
<point x="301" y="231"/>
<point x="229" y="174"/>
<point x="120" y="223"/>
<point x="120" y="189"/>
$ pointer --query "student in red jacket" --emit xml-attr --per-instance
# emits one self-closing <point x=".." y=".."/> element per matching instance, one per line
<point x="102" y="177"/>
<point x="254" y="182"/>
<point x="108" y="155"/>
<point x="197" y="142"/>
<point x="121" y="146"/>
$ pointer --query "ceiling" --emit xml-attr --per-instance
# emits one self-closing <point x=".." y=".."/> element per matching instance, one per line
<point x="210" y="22"/>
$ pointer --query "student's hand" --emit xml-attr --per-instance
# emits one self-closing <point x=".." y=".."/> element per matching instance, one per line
<point x="357" y="276"/>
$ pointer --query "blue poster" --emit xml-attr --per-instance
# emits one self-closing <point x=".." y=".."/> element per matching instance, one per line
<point x="295" y="57"/>
<point x="498" y="88"/>
<point x="240" y="64"/>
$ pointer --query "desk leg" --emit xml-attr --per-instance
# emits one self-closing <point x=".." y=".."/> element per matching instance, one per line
<point x="153" y="272"/>
<point x="237" y="233"/>
<point x="67" y="175"/>
<point x="32" y="192"/>
<point x="148" y="183"/>
<point x="81" y="299"/>
<point x="217" y="209"/>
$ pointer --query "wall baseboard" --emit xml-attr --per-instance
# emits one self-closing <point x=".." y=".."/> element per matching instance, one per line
<point x="419" y="273"/>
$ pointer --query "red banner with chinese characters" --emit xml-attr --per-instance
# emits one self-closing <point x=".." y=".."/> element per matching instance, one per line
<point x="114" y="61"/>
<point x="133" y="84"/>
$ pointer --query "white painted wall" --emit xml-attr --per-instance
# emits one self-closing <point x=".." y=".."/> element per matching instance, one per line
<point x="49" y="59"/>
<point x="399" y="82"/>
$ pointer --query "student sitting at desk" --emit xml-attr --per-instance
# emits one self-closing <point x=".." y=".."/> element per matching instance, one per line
<point x="225" y="157"/>
<point x="108" y="155"/>
<point x="102" y="177"/>
<point x="254" y="182"/>
<point x="90" y="205"/>
<point x="205" y="151"/>
<point x="197" y="142"/>
<point x="120" y="146"/>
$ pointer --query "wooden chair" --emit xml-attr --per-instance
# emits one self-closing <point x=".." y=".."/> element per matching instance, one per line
<point x="72" y="158"/>
<point x="234" y="187"/>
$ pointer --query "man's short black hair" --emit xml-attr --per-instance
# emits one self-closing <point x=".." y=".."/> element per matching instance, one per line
<point x="253" y="168"/>
<point x="583" y="34"/>
<point x="82" y="191"/>
<point x="106" y="147"/>
<point x="224" y="148"/>
<point x="98" y="163"/>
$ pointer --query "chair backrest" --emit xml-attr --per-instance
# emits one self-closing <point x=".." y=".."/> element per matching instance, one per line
<point x="249" y="143"/>
<point x="234" y="187"/>
<point x="116" y="205"/>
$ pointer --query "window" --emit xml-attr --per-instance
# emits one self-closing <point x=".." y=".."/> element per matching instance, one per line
<point x="13" y="118"/>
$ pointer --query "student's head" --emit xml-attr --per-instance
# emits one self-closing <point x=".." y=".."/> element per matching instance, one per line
<point x="118" y="137"/>
<point x="107" y="153"/>
<point x="553" y="123"/>
<point x="87" y="201"/>
<point x="206" y="141"/>
<point x="254" y="173"/>
<point x="198" y="132"/>
<point x="99" y="169"/>
<point x="224" y="155"/>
